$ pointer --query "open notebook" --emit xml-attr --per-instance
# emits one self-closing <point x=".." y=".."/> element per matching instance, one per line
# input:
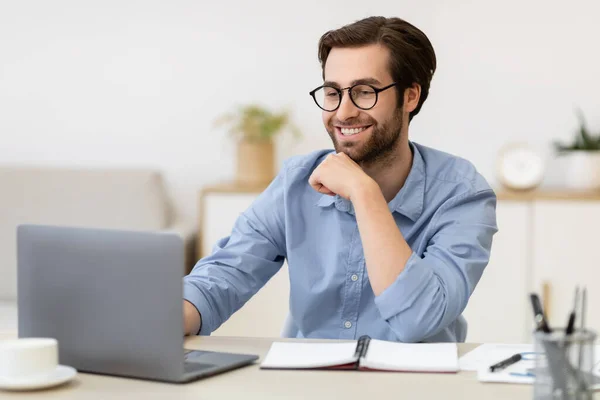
<point x="364" y="354"/>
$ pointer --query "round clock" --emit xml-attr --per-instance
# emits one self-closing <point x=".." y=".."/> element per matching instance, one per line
<point x="520" y="167"/>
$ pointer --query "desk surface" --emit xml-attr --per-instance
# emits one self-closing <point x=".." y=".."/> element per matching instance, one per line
<point x="252" y="383"/>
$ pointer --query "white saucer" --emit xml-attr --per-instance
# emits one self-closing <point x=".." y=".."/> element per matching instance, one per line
<point x="60" y="375"/>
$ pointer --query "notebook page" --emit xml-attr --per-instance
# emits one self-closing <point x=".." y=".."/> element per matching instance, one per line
<point x="490" y="353"/>
<point x="309" y="355"/>
<point x="507" y="376"/>
<point x="417" y="357"/>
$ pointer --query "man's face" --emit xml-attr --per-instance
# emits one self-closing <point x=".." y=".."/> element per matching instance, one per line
<point x="378" y="129"/>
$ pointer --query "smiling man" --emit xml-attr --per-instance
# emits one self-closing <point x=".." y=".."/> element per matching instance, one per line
<point x="383" y="236"/>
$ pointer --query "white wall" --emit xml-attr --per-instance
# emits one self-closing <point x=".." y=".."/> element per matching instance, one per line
<point x="140" y="82"/>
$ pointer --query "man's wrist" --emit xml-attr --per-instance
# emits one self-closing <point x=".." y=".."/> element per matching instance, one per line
<point x="365" y="192"/>
<point x="192" y="319"/>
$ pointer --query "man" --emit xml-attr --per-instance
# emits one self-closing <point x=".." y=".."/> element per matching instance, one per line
<point x="383" y="237"/>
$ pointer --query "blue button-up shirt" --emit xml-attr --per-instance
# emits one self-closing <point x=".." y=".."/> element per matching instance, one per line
<point x="446" y="212"/>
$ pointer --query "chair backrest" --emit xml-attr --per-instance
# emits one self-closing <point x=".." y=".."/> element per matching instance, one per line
<point x="98" y="198"/>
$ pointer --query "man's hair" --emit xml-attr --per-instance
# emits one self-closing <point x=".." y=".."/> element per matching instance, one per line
<point x="412" y="58"/>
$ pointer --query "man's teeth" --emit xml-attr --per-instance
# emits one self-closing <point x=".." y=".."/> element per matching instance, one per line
<point x="353" y="131"/>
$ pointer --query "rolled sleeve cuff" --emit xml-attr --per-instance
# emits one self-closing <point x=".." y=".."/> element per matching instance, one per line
<point x="197" y="298"/>
<point x="404" y="292"/>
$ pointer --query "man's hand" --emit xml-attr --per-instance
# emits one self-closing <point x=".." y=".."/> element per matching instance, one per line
<point x="191" y="319"/>
<point x="339" y="174"/>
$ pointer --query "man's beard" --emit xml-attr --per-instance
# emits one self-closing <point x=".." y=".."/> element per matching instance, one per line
<point x="378" y="148"/>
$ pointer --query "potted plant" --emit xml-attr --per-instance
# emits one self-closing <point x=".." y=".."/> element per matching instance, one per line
<point x="255" y="127"/>
<point x="582" y="158"/>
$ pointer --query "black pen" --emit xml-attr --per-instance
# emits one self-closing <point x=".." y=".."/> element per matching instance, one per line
<point x="538" y="312"/>
<point x="571" y="322"/>
<point x="505" y="363"/>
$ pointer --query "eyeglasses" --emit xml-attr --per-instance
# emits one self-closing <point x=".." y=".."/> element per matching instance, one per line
<point x="363" y="96"/>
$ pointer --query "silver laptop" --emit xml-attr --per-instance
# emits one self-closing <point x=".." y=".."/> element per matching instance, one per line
<point x="113" y="300"/>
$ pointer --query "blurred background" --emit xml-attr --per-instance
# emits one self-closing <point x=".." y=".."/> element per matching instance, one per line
<point x="137" y="85"/>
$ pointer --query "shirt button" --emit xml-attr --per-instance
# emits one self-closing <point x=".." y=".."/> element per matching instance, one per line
<point x="348" y="324"/>
<point x="354" y="278"/>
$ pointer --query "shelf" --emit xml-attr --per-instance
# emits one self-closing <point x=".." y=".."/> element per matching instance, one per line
<point x="556" y="194"/>
<point x="235" y="187"/>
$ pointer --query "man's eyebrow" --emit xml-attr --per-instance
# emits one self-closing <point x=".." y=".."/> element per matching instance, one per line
<point x="363" y="81"/>
<point x="366" y="81"/>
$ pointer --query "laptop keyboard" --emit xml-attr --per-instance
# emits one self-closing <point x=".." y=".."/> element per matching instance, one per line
<point x="189" y="367"/>
<point x="194" y="354"/>
<point x="193" y="361"/>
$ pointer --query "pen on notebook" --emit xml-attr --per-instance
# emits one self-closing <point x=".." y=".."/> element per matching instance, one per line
<point x="505" y="363"/>
<point x="571" y="323"/>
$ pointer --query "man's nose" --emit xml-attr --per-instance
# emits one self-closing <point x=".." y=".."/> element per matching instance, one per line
<point x="347" y="109"/>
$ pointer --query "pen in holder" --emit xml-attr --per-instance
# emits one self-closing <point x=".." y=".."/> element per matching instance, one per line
<point x="564" y="368"/>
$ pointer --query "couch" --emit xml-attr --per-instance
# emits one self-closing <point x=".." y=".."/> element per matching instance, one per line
<point x="131" y="199"/>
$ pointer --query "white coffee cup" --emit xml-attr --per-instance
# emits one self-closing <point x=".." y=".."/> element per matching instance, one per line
<point x="28" y="357"/>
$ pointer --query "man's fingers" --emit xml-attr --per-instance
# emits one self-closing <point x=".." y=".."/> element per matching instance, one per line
<point x="313" y="180"/>
<point x="324" y="190"/>
<point x="319" y="187"/>
<point x="315" y="183"/>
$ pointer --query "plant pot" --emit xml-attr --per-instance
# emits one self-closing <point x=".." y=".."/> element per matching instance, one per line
<point x="582" y="170"/>
<point x="255" y="162"/>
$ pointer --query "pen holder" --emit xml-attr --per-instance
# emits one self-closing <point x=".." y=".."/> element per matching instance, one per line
<point x="563" y="367"/>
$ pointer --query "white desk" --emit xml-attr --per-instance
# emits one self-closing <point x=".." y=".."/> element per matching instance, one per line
<point x="252" y="383"/>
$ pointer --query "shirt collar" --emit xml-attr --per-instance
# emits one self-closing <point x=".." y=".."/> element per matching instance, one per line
<point x="408" y="201"/>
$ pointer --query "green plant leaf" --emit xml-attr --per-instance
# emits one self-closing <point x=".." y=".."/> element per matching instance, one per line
<point x="584" y="139"/>
<point x="255" y="123"/>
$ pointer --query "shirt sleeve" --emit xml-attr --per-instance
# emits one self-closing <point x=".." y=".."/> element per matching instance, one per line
<point x="240" y="263"/>
<point x="432" y="291"/>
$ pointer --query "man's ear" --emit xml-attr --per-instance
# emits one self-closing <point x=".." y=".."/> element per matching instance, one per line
<point x="411" y="97"/>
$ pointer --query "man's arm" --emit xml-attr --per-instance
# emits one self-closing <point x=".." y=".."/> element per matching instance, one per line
<point x="420" y="296"/>
<point x="417" y="296"/>
<point x="240" y="264"/>
<point x="383" y="244"/>
<point x="192" y="320"/>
